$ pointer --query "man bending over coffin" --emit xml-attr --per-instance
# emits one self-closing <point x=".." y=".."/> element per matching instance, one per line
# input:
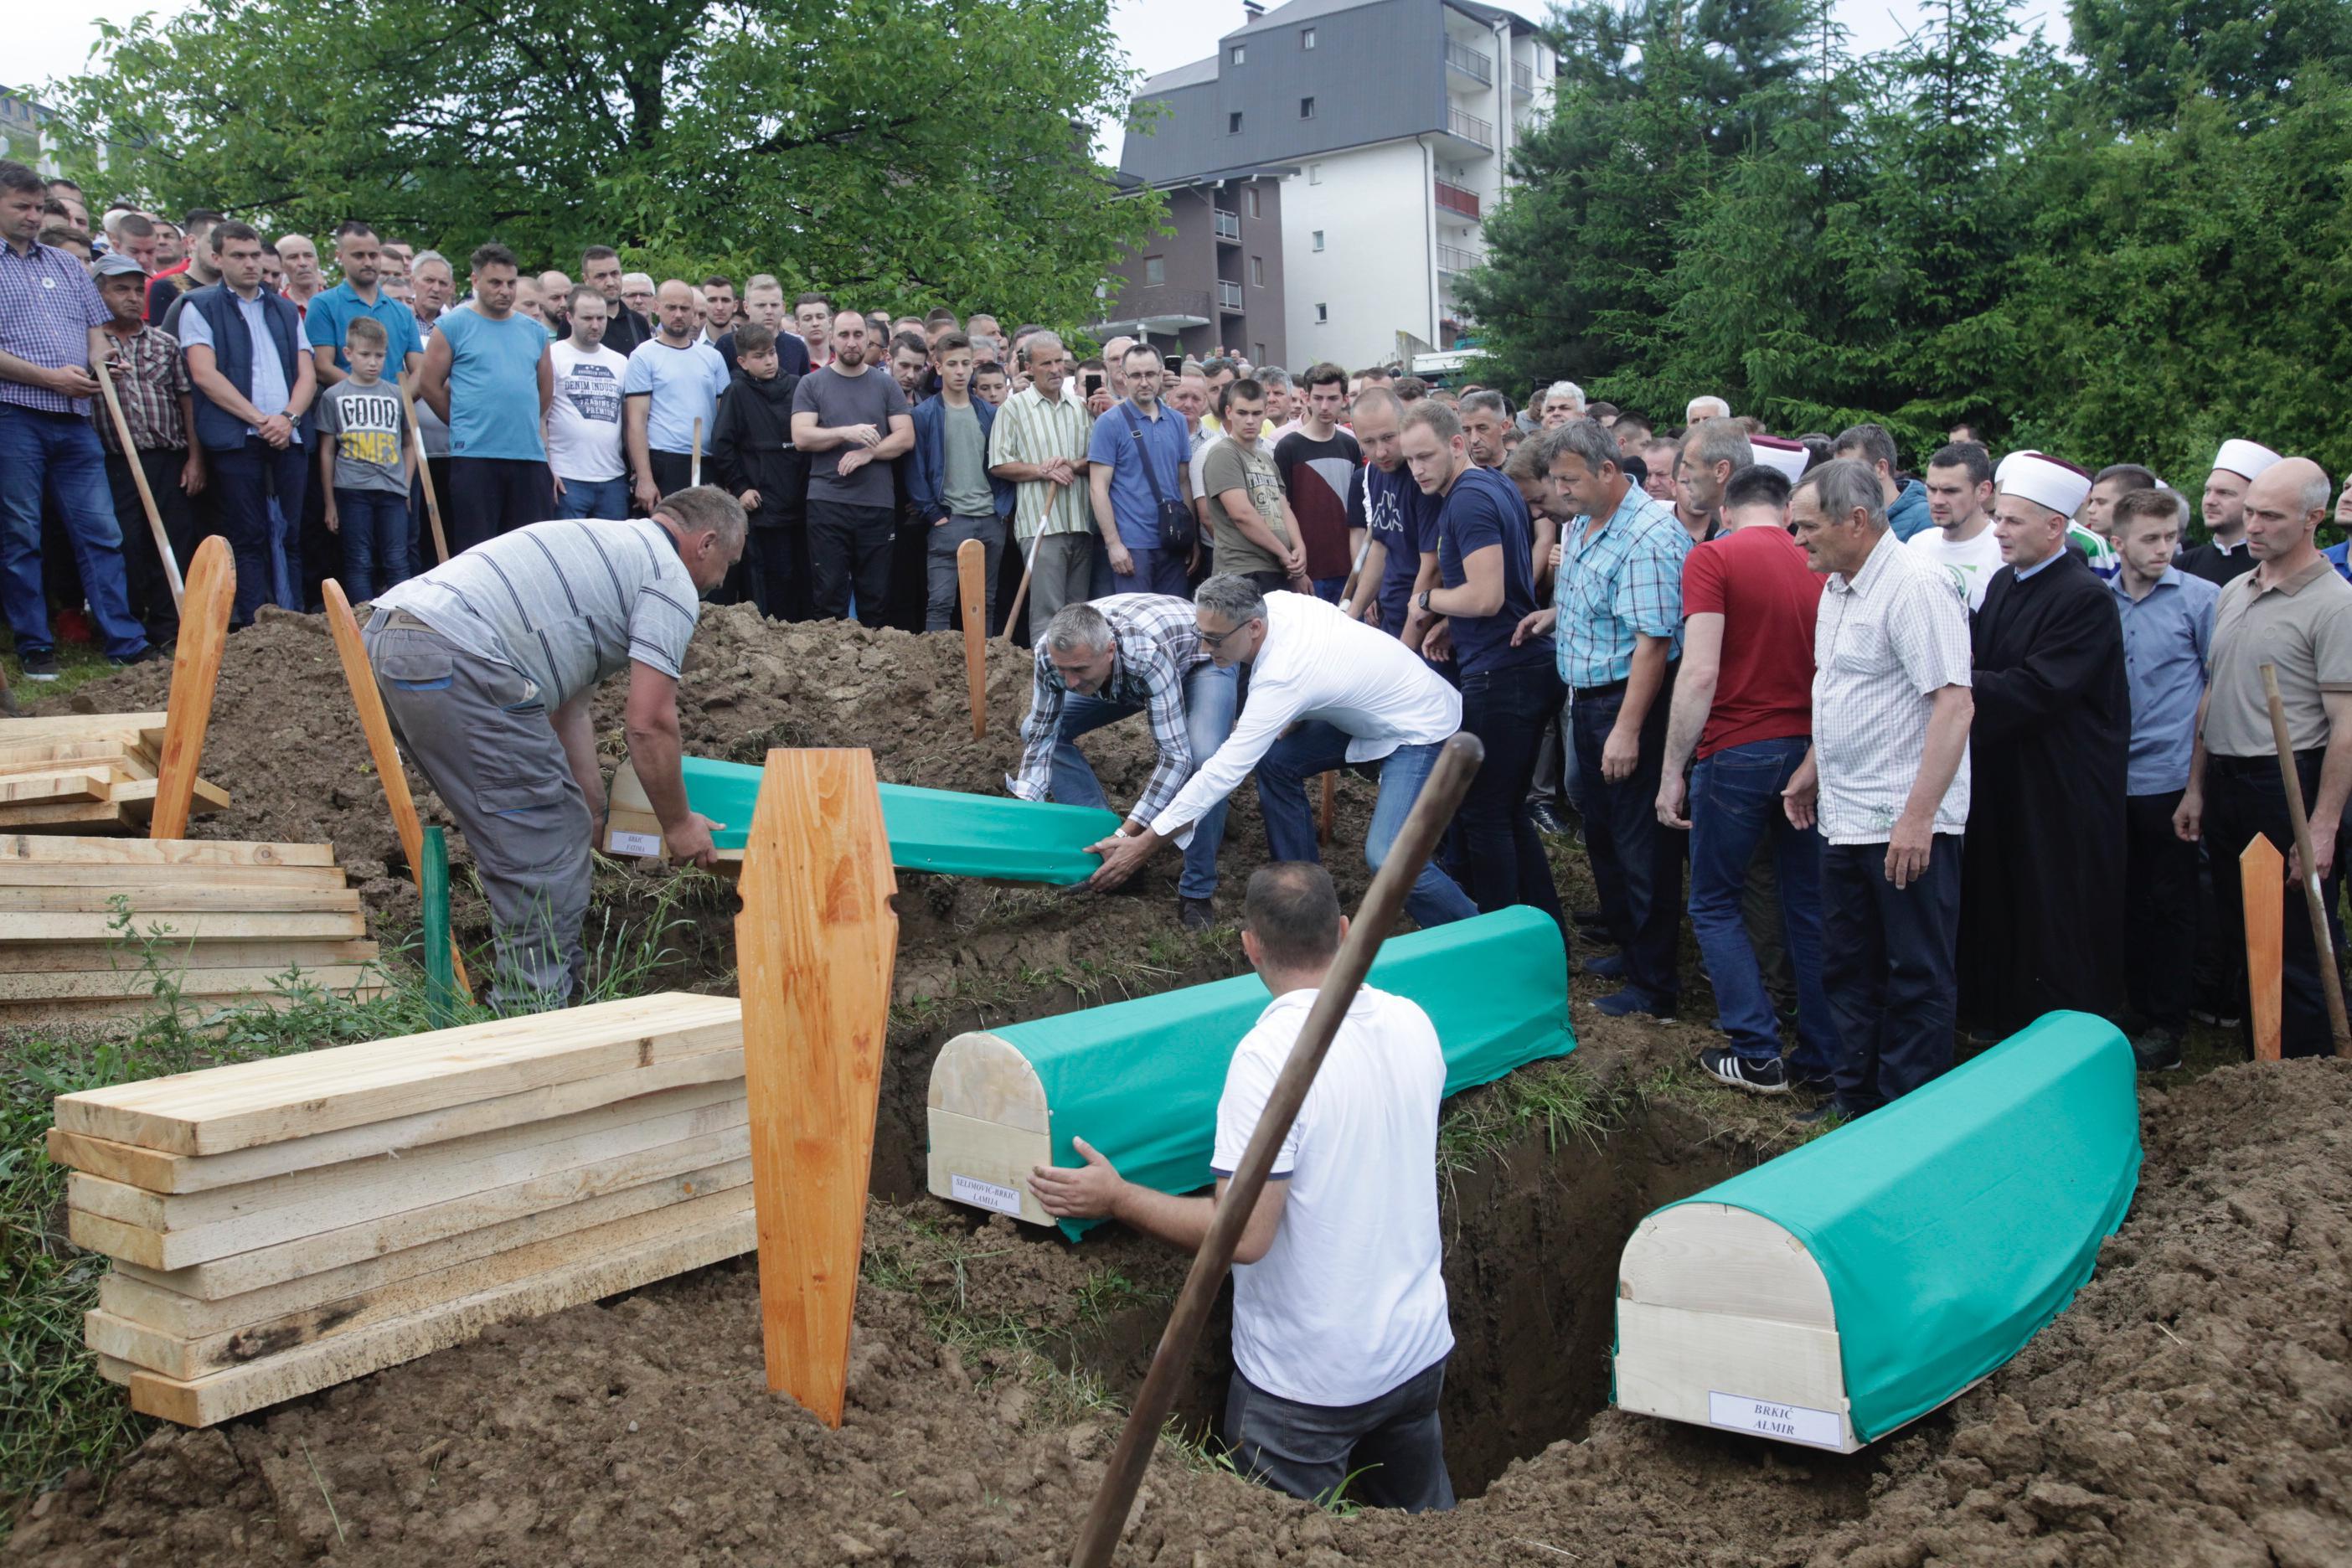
<point x="488" y="664"/>
<point x="1325" y="692"/>
<point x="1340" y="1333"/>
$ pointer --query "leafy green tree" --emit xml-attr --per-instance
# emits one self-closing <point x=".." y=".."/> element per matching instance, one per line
<point x="914" y="152"/>
<point x="2149" y="57"/>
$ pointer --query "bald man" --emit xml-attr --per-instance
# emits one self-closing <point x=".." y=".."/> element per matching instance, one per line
<point x="671" y="392"/>
<point x="2292" y="612"/>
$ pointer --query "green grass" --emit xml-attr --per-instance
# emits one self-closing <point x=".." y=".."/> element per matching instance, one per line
<point x="56" y="1413"/>
<point x="79" y="664"/>
<point x="1558" y="1097"/>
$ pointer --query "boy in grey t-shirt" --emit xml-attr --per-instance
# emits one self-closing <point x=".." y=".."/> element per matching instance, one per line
<point x="365" y="462"/>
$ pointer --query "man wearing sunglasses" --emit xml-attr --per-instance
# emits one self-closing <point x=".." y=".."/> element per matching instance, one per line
<point x="1325" y="692"/>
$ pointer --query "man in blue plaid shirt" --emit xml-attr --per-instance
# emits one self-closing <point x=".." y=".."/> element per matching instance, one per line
<point x="1618" y="607"/>
<point x="1100" y="662"/>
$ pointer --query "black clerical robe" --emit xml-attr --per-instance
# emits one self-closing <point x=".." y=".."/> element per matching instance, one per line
<point x="2041" y="885"/>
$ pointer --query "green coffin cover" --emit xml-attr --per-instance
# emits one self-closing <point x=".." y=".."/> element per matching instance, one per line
<point x="1957" y="1221"/>
<point x="1140" y="1080"/>
<point x="932" y="829"/>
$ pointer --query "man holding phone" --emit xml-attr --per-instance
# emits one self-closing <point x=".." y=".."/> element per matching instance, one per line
<point x="1139" y="472"/>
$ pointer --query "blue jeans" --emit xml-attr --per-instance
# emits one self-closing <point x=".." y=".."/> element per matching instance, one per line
<point x="1317" y="747"/>
<point x="58" y="455"/>
<point x="1156" y="572"/>
<point x="1209" y="700"/>
<point x="1329" y="590"/>
<point x="1734" y="805"/>
<point x="373" y="526"/>
<point x="1888" y="961"/>
<point x="594" y="498"/>
<point x="244" y="479"/>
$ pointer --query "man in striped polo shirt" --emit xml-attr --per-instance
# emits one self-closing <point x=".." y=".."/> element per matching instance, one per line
<point x="1039" y="443"/>
<point x="488" y="665"/>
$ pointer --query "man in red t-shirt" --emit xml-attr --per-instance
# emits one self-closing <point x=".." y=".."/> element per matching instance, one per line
<point x="1744" y="704"/>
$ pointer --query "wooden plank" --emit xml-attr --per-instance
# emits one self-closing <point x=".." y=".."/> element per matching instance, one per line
<point x="196" y="925"/>
<point x="77" y="727"/>
<point x="65" y="816"/>
<point x="157" y="1300"/>
<point x="157" y="1172"/>
<point x="2262" y="890"/>
<point x="198" y="1228"/>
<point x="24" y="959"/>
<point x="980" y="1163"/>
<point x="142" y="878"/>
<point x="137" y="799"/>
<point x="411" y="1227"/>
<point x="815" y="943"/>
<point x="62" y="985"/>
<point x="195" y="673"/>
<point x="158" y="852"/>
<point x="204" y="1014"/>
<point x="1712" y="1258"/>
<point x="95" y="782"/>
<point x="246" y="1103"/>
<point x="177" y="1356"/>
<point x="1669" y="1361"/>
<point x="306" y="1368"/>
<point x="58" y="754"/>
<point x="176" y="897"/>
<point x="358" y="677"/>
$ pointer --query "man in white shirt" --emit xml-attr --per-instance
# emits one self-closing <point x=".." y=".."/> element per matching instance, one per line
<point x="583" y="422"/>
<point x="1340" y="1331"/>
<point x="1888" y="779"/>
<point x="1959" y="489"/>
<point x="1325" y="692"/>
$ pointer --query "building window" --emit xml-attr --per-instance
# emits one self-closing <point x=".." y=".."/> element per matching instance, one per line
<point x="1305" y="109"/>
<point x="1313" y="174"/>
<point x="1318" y="239"/>
<point x="1306" y="37"/>
<point x="1155" y="271"/>
<point x="1254" y="195"/>
<point x="1322" y="314"/>
<point x="1257" y="271"/>
<point x="1260" y="346"/>
<point x="1234" y="123"/>
<point x="1241" y="53"/>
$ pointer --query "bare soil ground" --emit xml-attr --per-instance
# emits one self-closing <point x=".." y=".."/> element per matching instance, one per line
<point x="2191" y="1407"/>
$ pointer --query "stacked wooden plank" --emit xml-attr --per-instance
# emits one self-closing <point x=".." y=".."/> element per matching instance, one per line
<point x="282" y="1225"/>
<point x="85" y="773"/>
<point x="220" y="920"/>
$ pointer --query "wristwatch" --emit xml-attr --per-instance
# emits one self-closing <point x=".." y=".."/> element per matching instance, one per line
<point x="1424" y="601"/>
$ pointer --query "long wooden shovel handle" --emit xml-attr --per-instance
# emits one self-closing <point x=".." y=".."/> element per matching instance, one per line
<point x="1441" y="794"/>
<point x="146" y="495"/>
<point x="424" y="477"/>
<point x="694" y="463"/>
<point x="2323" y="941"/>
<point x="361" y="678"/>
<point x="196" y="674"/>
<point x="1020" y="594"/>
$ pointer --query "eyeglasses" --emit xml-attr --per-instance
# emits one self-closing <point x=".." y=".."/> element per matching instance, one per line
<point x="1217" y="639"/>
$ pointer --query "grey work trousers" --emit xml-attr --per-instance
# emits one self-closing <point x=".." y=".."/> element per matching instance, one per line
<point x="1067" y="569"/>
<point x="1391" y="1445"/>
<point x="939" y="566"/>
<point x="480" y="733"/>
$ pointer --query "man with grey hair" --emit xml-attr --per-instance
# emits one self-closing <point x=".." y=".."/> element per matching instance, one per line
<point x="1039" y="444"/>
<point x="1887" y="780"/>
<point x="1100" y="662"/>
<point x="1563" y="401"/>
<point x="301" y="261"/>
<point x="1712" y="451"/>
<point x="1700" y="408"/>
<point x="1485" y="419"/>
<point x="1326" y="692"/>
<point x="488" y="666"/>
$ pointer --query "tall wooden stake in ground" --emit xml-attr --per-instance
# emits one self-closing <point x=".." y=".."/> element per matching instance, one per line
<point x="195" y="673"/>
<point x="815" y="944"/>
<point x="972" y="586"/>
<point x="2261" y="890"/>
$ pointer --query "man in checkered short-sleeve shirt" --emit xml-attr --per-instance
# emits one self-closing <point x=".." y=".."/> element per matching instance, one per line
<point x="1888" y="780"/>
<point x="1099" y="663"/>
<point x="51" y="332"/>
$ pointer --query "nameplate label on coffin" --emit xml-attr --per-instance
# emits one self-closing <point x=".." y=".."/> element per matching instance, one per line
<point x="984" y="1195"/>
<point x="1788" y="1423"/>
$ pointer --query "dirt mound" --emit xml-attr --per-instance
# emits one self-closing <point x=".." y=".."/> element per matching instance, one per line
<point x="2190" y="1407"/>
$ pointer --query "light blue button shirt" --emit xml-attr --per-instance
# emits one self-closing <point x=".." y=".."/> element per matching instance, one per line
<point x="2166" y="639"/>
<point x="271" y="393"/>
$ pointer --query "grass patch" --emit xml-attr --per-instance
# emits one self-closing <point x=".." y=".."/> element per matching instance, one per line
<point x="1556" y="1096"/>
<point x="79" y="664"/>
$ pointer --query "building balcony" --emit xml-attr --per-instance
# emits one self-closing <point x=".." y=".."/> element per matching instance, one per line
<point x="1229" y="295"/>
<point x="1455" y="199"/>
<point x="1228" y="226"/>
<point x="1475" y="67"/>
<point x="1458" y="258"/>
<point x="1164" y="310"/>
<point x="1523" y="77"/>
<point x="1466" y="127"/>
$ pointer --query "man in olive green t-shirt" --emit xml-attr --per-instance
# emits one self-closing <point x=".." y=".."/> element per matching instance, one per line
<point x="1250" y="522"/>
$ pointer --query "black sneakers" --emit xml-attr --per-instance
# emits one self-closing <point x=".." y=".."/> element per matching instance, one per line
<point x="42" y="666"/>
<point x="1197" y="914"/>
<point x="1726" y="1066"/>
<point x="2157" y="1051"/>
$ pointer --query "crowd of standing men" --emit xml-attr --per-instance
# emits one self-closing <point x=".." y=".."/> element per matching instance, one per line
<point x="1905" y="748"/>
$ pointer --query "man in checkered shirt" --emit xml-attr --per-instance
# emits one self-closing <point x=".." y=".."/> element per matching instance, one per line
<point x="1100" y="662"/>
<point x="1888" y="781"/>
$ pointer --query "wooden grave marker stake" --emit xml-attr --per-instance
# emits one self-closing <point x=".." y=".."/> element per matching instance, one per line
<point x="361" y="678"/>
<point x="2262" y="888"/>
<point x="971" y="584"/>
<point x="817" y="943"/>
<point x="195" y="673"/>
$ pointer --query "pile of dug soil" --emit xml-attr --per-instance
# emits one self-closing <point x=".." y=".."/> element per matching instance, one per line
<point x="2190" y="1406"/>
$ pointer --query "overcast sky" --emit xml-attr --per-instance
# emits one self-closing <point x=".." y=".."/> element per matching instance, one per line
<point x="51" y="38"/>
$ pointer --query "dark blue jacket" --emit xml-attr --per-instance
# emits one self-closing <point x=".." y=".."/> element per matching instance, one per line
<point x="1907" y="514"/>
<point x="931" y="456"/>
<point x="217" y="428"/>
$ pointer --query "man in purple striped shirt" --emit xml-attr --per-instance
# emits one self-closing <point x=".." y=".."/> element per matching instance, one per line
<point x="52" y="331"/>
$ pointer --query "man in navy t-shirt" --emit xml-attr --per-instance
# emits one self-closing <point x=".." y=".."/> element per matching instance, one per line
<point x="1399" y="522"/>
<point x="1484" y="595"/>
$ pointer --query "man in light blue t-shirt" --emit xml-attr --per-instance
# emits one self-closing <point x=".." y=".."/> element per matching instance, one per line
<point x="488" y="373"/>
<point x="673" y="383"/>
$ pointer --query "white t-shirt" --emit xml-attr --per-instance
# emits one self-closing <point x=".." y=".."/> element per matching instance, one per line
<point x="583" y="422"/>
<point x="1349" y="1300"/>
<point x="1971" y="561"/>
